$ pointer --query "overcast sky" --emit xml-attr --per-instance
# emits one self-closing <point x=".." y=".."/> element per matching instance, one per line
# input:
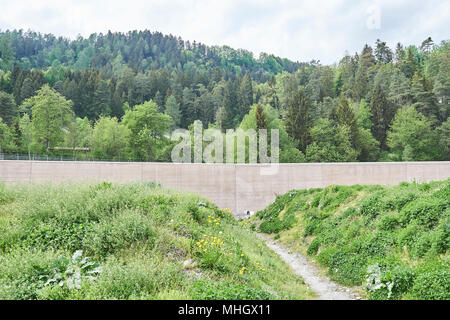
<point x="298" y="30"/>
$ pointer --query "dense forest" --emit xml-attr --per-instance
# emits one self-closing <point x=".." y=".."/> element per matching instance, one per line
<point x="117" y="96"/>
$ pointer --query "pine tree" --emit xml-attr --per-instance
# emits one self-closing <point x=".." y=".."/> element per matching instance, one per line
<point x="27" y="90"/>
<point x="424" y="100"/>
<point x="383" y="53"/>
<point x="261" y="122"/>
<point x="427" y="45"/>
<point x="245" y="96"/>
<point x="345" y="116"/>
<point x="441" y="90"/>
<point x="381" y="115"/>
<point x="101" y="102"/>
<point x="230" y="104"/>
<point x="399" y="89"/>
<point x="298" y="123"/>
<point x="172" y="109"/>
<point x="8" y="108"/>
<point x="361" y="84"/>
<point x="7" y="52"/>
<point x="187" y="110"/>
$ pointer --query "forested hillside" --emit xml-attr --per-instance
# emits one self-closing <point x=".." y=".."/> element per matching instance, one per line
<point x="118" y="95"/>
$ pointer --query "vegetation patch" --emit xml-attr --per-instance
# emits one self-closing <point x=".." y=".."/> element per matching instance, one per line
<point x="394" y="241"/>
<point x="135" y="241"/>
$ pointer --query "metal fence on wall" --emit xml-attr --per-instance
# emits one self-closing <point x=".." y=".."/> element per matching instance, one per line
<point x="32" y="157"/>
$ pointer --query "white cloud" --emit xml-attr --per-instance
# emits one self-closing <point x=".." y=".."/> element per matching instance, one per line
<point x="299" y="30"/>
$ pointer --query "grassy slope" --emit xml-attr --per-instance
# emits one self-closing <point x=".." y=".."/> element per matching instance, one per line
<point x="393" y="240"/>
<point x="148" y="242"/>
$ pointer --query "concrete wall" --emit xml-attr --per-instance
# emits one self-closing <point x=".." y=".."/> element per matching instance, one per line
<point x="236" y="186"/>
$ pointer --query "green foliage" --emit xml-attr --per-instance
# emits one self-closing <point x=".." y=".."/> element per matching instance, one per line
<point x="147" y="128"/>
<point x="143" y="242"/>
<point x="50" y="113"/>
<point x="172" y="109"/>
<point x="411" y="136"/>
<point x="209" y="290"/>
<point x="432" y="281"/>
<point x="8" y="108"/>
<point x="272" y="222"/>
<point x="109" y="138"/>
<point x="105" y="238"/>
<point x="69" y="273"/>
<point x="387" y="280"/>
<point x="330" y="143"/>
<point x="393" y="239"/>
<point x="324" y="113"/>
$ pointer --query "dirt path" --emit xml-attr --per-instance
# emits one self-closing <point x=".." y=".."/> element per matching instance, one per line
<point x="322" y="286"/>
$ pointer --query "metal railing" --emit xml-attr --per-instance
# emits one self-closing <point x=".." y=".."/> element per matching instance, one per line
<point x="34" y="157"/>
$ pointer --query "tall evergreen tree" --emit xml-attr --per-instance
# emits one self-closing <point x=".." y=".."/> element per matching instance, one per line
<point x="261" y="122"/>
<point x="382" y="114"/>
<point x="8" y="108"/>
<point x="6" y="52"/>
<point x="101" y="101"/>
<point x="345" y="116"/>
<point x="298" y="122"/>
<point x="230" y="104"/>
<point x="172" y="109"/>
<point x="423" y="100"/>
<point x="399" y="89"/>
<point x="245" y="96"/>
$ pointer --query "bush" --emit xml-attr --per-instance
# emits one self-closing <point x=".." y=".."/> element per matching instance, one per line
<point x="313" y="247"/>
<point x="426" y="211"/>
<point x="56" y="234"/>
<point x="347" y="267"/>
<point x="6" y="195"/>
<point x="387" y="280"/>
<point x="272" y="226"/>
<point x="209" y="290"/>
<point x="140" y="278"/>
<point x="432" y="282"/>
<point x="24" y="272"/>
<point x="122" y="231"/>
<point x="371" y="207"/>
<point x="387" y="225"/>
<point x="388" y="222"/>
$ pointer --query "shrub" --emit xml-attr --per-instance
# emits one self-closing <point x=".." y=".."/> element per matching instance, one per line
<point x="397" y="200"/>
<point x="120" y="232"/>
<point x="209" y="290"/>
<point x="347" y="267"/>
<point x="313" y="247"/>
<point x="24" y="272"/>
<point x="312" y="226"/>
<point x="385" y="280"/>
<point x="137" y="279"/>
<point x="56" y="234"/>
<point x="432" y="282"/>
<point x="426" y="211"/>
<point x="6" y="195"/>
<point x="371" y="206"/>
<point x="388" y="222"/>
<point x="441" y="237"/>
<point x="274" y="225"/>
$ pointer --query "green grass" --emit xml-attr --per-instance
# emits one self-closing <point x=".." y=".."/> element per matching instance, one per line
<point x="393" y="241"/>
<point x="136" y="241"/>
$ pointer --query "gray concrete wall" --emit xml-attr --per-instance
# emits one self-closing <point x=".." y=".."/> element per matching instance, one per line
<point x="236" y="186"/>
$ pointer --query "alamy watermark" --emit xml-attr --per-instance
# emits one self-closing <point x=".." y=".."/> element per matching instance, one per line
<point x="234" y="146"/>
<point x="373" y="20"/>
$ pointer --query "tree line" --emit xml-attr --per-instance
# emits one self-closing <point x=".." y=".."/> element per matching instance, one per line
<point x="376" y="105"/>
